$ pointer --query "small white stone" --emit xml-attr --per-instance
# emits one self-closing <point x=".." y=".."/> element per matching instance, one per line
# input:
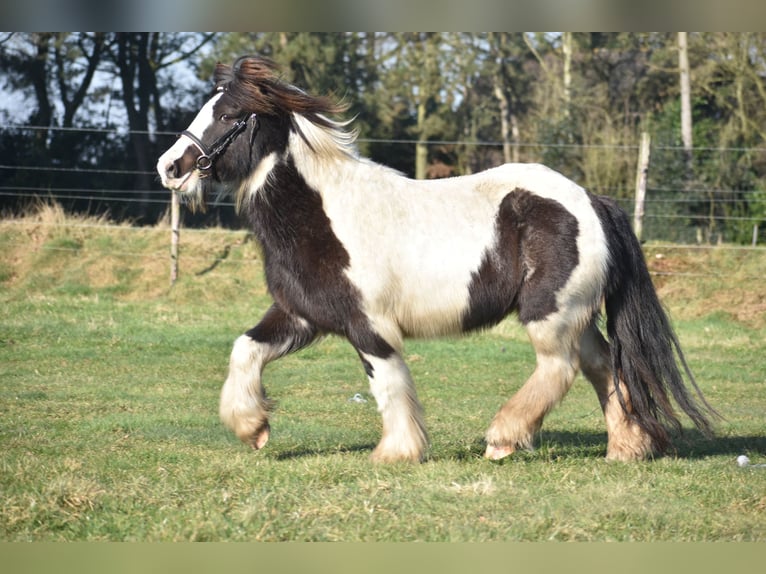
<point x="742" y="460"/>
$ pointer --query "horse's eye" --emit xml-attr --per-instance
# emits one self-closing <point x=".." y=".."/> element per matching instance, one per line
<point x="224" y="117"/>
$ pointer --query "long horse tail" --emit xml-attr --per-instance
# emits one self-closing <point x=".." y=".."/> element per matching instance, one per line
<point x="645" y="352"/>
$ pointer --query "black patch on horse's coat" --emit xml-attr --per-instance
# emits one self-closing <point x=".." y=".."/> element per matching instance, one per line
<point x="533" y="256"/>
<point x="279" y="328"/>
<point x="368" y="368"/>
<point x="305" y="262"/>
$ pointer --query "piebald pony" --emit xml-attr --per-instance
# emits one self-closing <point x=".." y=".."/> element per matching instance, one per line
<point x="356" y="249"/>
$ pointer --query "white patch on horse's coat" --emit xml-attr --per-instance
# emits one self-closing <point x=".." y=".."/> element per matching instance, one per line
<point x="242" y="392"/>
<point x="391" y="384"/>
<point x="203" y="119"/>
<point x="257" y="179"/>
<point x="187" y="182"/>
<point x="330" y="141"/>
<point x="417" y="283"/>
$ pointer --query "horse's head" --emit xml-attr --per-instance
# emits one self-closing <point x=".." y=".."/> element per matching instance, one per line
<point x="249" y="118"/>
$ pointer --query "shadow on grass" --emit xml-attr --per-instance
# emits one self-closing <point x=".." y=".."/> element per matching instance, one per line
<point x="691" y="444"/>
<point x="223" y="256"/>
<point x="299" y="452"/>
<point x="555" y="445"/>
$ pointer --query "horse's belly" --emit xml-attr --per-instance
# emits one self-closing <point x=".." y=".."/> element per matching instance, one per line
<point x="432" y="304"/>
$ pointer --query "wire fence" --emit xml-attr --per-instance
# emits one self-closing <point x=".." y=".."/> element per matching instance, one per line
<point x="673" y="212"/>
<point x="496" y="143"/>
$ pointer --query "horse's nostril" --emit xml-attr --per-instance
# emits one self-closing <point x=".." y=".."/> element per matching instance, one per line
<point x="172" y="169"/>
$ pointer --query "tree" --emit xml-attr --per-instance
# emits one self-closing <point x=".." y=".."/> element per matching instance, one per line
<point x="422" y="81"/>
<point x="59" y="67"/>
<point x="730" y="97"/>
<point x="57" y="71"/>
<point x="60" y="71"/>
<point x="138" y="58"/>
<point x="507" y="53"/>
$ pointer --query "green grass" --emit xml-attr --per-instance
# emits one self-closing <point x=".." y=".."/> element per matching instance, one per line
<point x="109" y="427"/>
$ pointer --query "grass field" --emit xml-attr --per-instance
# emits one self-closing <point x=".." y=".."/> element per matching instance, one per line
<point x="109" y="383"/>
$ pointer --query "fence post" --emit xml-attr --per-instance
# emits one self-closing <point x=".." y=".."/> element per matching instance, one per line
<point x="641" y="174"/>
<point x="175" y="230"/>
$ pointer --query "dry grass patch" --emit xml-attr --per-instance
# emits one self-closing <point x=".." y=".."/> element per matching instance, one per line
<point x="695" y="282"/>
<point x="48" y="249"/>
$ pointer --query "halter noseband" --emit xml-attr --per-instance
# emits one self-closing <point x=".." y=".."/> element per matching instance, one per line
<point x="204" y="163"/>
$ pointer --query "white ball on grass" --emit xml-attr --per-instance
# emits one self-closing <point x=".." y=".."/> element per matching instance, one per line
<point x="742" y="460"/>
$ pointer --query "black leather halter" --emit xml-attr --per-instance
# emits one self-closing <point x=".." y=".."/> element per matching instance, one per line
<point x="205" y="162"/>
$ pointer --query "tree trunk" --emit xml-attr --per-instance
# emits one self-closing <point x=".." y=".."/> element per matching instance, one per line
<point x="421" y="148"/>
<point x="505" y="124"/>
<point x="686" y="107"/>
<point x="74" y="102"/>
<point x="428" y="73"/>
<point x="38" y="72"/>
<point x="566" y="46"/>
<point x="133" y="65"/>
<point x="515" y="138"/>
<point x="509" y="123"/>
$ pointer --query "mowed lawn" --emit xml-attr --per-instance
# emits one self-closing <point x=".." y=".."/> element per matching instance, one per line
<point x="109" y="426"/>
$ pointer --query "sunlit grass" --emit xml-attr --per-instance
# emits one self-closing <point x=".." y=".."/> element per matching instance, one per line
<point x="109" y="427"/>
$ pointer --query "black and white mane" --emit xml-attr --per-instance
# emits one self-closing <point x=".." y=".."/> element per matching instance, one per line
<point x="356" y="249"/>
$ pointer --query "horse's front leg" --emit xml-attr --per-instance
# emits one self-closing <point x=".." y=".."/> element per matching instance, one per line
<point x="244" y="407"/>
<point x="404" y="436"/>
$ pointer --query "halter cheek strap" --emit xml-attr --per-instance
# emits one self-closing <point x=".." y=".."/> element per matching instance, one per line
<point x="204" y="163"/>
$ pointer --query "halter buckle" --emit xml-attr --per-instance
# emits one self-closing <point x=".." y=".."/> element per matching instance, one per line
<point x="204" y="164"/>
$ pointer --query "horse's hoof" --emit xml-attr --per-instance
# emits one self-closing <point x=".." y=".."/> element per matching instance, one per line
<point x="386" y="457"/>
<point x="261" y="438"/>
<point x="256" y="439"/>
<point x="498" y="452"/>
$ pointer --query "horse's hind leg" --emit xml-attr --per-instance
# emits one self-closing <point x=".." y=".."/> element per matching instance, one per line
<point x="626" y="439"/>
<point x="244" y="407"/>
<point x="514" y="426"/>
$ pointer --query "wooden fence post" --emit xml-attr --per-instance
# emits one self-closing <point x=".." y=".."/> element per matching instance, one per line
<point x="641" y="175"/>
<point x="175" y="230"/>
